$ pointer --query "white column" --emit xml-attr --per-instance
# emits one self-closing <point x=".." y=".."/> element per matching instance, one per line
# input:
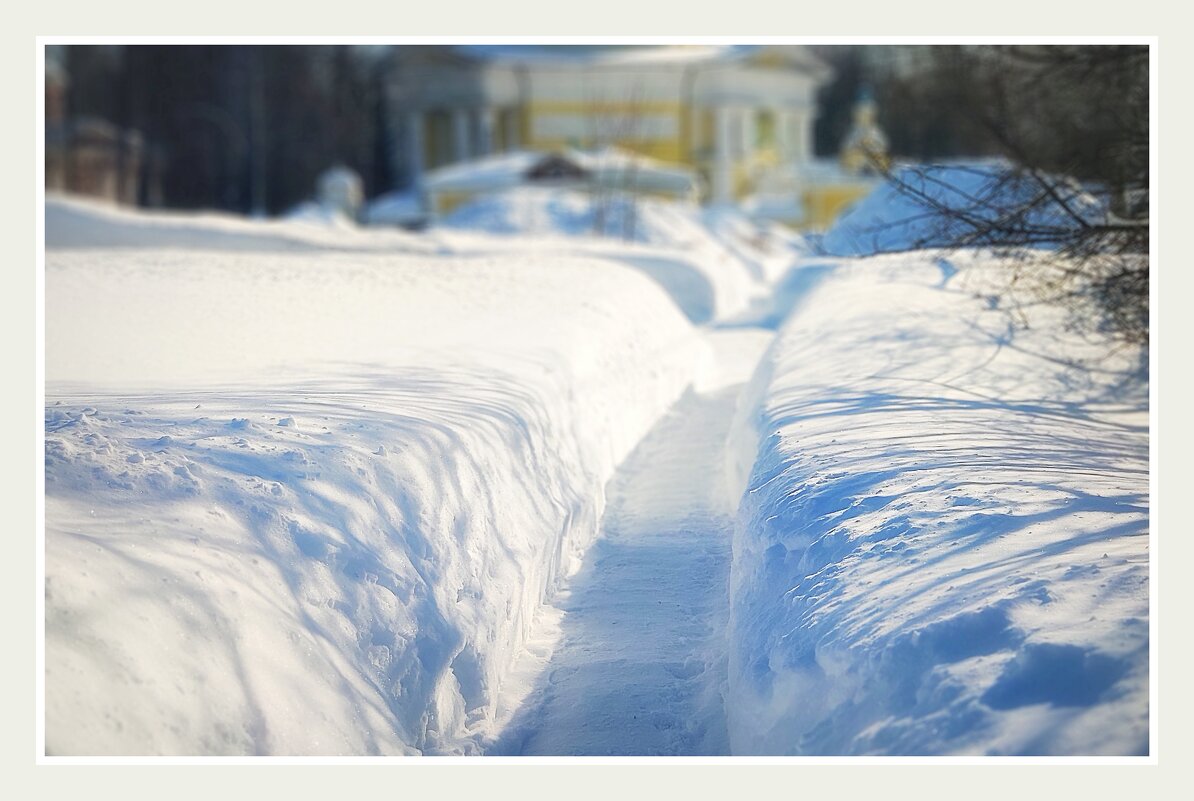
<point x="414" y="147"/>
<point x="460" y="134"/>
<point x="806" y="137"/>
<point x="723" y="189"/>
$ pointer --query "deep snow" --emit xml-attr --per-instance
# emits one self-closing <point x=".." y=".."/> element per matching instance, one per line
<point x="630" y="657"/>
<point x="942" y="546"/>
<point x="316" y="489"/>
<point x="716" y="265"/>
<point x="310" y="505"/>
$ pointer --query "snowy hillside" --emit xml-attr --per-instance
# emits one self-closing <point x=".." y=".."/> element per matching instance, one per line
<point x="942" y="544"/>
<point x="311" y="505"/>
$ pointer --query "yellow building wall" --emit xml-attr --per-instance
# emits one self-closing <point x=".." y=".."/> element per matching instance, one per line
<point x="446" y="202"/>
<point x="823" y="204"/>
<point x="673" y="149"/>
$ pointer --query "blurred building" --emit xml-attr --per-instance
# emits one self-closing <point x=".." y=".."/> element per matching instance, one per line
<point x="830" y="186"/>
<point x="740" y="118"/>
<point x="608" y="170"/>
<point x="87" y="155"/>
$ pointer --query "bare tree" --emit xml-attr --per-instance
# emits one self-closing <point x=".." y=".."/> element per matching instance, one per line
<point x="1070" y="202"/>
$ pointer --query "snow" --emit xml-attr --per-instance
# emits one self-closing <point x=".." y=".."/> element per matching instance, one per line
<point x="74" y="223"/>
<point x="713" y="271"/>
<point x="909" y="212"/>
<point x="649" y="606"/>
<point x="499" y="171"/>
<point x="509" y="487"/>
<point x="610" y="55"/>
<point x="609" y="167"/>
<point x="276" y="524"/>
<point x="401" y="208"/>
<point x="942" y="542"/>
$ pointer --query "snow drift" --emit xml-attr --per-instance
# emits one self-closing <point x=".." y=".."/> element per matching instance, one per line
<point x="942" y="543"/>
<point x="711" y="273"/>
<point x="310" y="504"/>
<point x="944" y="205"/>
<point x="717" y="264"/>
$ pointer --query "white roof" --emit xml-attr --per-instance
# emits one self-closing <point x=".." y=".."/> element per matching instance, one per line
<point x="609" y="166"/>
<point x="602" y="55"/>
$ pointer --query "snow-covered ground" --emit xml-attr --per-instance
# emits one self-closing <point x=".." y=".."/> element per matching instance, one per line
<point x="79" y="224"/>
<point x="715" y="265"/>
<point x="311" y="504"/>
<point x="519" y="489"/>
<point x="630" y="658"/>
<point x="942" y="545"/>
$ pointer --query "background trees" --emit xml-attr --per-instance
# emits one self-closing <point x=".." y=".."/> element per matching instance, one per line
<point x="242" y="128"/>
<point x="1072" y="123"/>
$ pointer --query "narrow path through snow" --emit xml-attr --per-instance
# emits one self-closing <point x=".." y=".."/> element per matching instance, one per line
<point x="638" y="659"/>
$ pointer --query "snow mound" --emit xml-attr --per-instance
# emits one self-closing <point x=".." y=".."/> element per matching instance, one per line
<point x="944" y="205"/>
<point x="942" y="546"/>
<point x="402" y="208"/>
<point x="77" y="223"/>
<point x="538" y="211"/>
<point x="717" y="263"/>
<point x="713" y="268"/>
<point x="281" y="525"/>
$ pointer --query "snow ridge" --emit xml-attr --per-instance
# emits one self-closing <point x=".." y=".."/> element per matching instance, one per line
<point x="246" y="559"/>
<point x="942" y="545"/>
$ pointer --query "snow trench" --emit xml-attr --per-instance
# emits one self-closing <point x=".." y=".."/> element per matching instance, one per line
<point x="942" y="540"/>
<point x="245" y="558"/>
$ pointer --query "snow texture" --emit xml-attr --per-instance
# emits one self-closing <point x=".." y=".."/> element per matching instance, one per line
<point x="509" y="487"/>
<point x="717" y="264"/>
<point x="942" y="544"/>
<point x="312" y="504"/>
<point x="712" y="272"/>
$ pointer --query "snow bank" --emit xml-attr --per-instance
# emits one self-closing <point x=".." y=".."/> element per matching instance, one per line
<point x="942" y="543"/>
<point x="401" y="208"/>
<point x="310" y="504"/>
<point x="713" y="270"/>
<point x="940" y="205"/>
<point x="716" y="265"/>
<point x="77" y="223"/>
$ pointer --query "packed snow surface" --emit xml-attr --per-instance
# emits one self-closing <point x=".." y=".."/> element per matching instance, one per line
<point x="630" y="657"/>
<point x="942" y="545"/>
<point x="311" y="504"/>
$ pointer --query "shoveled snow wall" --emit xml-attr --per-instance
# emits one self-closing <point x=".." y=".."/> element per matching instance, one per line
<point x="311" y="505"/>
<point x="942" y="544"/>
